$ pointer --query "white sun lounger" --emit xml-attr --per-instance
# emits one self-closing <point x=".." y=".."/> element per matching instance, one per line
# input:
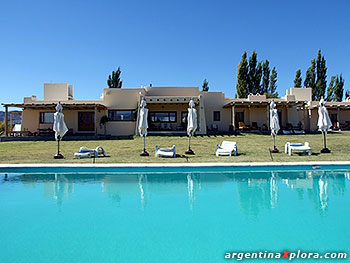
<point x="290" y="147"/>
<point x="84" y="152"/>
<point x="165" y="152"/>
<point x="227" y="148"/>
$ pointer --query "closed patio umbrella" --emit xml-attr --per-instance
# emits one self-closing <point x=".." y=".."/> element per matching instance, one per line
<point x="191" y="125"/>
<point x="324" y="124"/>
<point x="274" y="125"/>
<point x="59" y="128"/>
<point x="143" y="125"/>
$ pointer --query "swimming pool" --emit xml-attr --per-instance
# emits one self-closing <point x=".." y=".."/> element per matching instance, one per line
<point x="171" y="214"/>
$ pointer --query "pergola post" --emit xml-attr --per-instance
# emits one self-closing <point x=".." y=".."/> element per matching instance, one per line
<point x="202" y="123"/>
<point x="304" y="119"/>
<point x="11" y="122"/>
<point x="268" y="116"/>
<point x="248" y="117"/>
<point x="234" y="117"/>
<point x="6" y="121"/>
<point x="96" y="120"/>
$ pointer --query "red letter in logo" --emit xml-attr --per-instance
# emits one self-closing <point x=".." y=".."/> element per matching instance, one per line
<point x="285" y="254"/>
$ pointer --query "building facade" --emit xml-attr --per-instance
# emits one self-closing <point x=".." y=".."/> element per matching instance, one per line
<point x="116" y="113"/>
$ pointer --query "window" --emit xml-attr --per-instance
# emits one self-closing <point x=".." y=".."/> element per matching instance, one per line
<point x="216" y="116"/>
<point x="184" y="117"/>
<point x="46" y="117"/>
<point x="163" y="116"/>
<point x="122" y="115"/>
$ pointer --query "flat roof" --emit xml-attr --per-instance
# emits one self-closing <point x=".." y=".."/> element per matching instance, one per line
<point x="170" y="99"/>
<point x="243" y="102"/>
<point x="331" y="105"/>
<point x="69" y="106"/>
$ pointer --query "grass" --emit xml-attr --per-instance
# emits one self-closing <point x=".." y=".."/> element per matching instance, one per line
<point x="251" y="148"/>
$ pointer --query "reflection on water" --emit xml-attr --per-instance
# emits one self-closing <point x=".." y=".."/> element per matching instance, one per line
<point x="257" y="191"/>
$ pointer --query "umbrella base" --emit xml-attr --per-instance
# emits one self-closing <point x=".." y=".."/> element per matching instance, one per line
<point x="144" y="153"/>
<point x="274" y="150"/>
<point x="189" y="151"/>
<point x="325" y="150"/>
<point x="58" y="156"/>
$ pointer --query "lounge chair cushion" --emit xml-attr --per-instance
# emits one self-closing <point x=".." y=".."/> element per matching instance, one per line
<point x="290" y="147"/>
<point x="165" y="152"/>
<point x="85" y="152"/>
<point x="226" y="148"/>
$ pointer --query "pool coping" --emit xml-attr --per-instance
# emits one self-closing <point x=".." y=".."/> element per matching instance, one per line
<point x="112" y="165"/>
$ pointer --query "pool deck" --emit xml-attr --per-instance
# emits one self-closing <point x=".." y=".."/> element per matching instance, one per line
<point x="125" y="165"/>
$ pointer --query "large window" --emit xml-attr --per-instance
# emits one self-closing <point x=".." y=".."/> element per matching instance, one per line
<point x="216" y="116"/>
<point x="46" y="117"/>
<point x="122" y="115"/>
<point x="162" y="116"/>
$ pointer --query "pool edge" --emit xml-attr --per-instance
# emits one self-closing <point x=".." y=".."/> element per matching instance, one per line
<point x="112" y="165"/>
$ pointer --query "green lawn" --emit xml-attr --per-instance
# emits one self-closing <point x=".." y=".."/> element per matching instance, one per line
<point x="251" y="148"/>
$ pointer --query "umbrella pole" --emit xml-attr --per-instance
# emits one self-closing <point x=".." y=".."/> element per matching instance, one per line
<point x="58" y="155"/>
<point x="325" y="149"/>
<point x="144" y="153"/>
<point x="274" y="150"/>
<point x="189" y="151"/>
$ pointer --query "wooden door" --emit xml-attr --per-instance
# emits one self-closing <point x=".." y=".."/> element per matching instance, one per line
<point x="86" y="121"/>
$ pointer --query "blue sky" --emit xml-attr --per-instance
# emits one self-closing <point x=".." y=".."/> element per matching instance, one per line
<point x="166" y="43"/>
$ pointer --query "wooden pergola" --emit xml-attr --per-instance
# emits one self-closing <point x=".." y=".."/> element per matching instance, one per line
<point x="260" y="104"/>
<point x="52" y="106"/>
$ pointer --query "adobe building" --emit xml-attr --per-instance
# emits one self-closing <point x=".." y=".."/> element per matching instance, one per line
<point x="168" y="111"/>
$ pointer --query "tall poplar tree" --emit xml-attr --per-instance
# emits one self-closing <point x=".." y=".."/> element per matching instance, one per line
<point x="255" y="73"/>
<point x="242" y="77"/>
<point x="338" y="88"/>
<point x="273" y="86"/>
<point x="310" y="78"/>
<point x="297" y="80"/>
<point x="321" y="73"/>
<point x="330" y="90"/>
<point x="265" y="78"/>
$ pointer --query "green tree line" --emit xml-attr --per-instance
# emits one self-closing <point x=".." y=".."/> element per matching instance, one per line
<point x="316" y="78"/>
<point x="255" y="77"/>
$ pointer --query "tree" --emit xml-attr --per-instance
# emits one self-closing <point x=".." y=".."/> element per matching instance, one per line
<point x="273" y="86"/>
<point x="338" y="88"/>
<point x="114" y="79"/>
<point x="347" y="94"/>
<point x="265" y="78"/>
<point x="321" y="73"/>
<point x="255" y="73"/>
<point x="297" y="80"/>
<point x="310" y="78"/>
<point x="330" y="90"/>
<point x="242" y="77"/>
<point x="205" y="85"/>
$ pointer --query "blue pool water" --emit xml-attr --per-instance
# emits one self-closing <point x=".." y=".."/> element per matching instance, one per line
<point x="174" y="216"/>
